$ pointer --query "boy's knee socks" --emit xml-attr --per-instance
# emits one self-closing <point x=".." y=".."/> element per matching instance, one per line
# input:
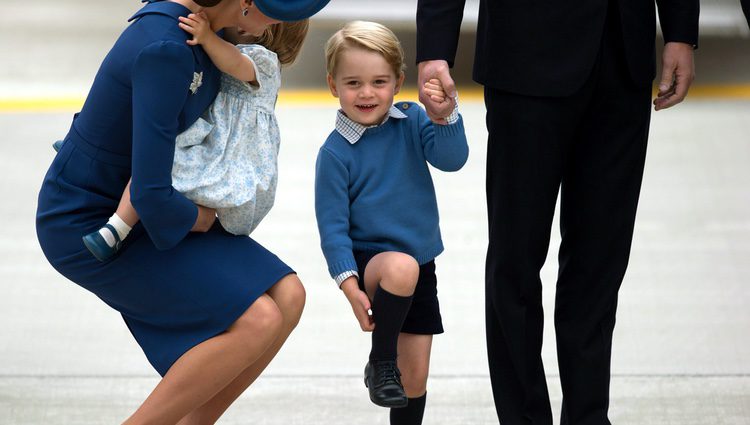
<point x="411" y="414"/>
<point x="388" y="312"/>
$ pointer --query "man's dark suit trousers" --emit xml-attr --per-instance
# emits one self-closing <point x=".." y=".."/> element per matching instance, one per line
<point x="590" y="146"/>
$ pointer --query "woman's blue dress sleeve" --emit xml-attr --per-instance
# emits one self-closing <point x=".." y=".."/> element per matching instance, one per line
<point x="161" y="77"/>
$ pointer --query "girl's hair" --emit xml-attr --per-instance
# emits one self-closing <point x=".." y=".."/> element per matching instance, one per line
<point x="369" y="36"/>
<point x="285" y="39"/>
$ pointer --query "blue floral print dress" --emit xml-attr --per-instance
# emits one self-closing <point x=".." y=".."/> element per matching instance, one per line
<point x="227" y="159"/>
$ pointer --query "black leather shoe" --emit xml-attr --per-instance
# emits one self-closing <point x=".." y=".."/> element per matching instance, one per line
<point x="383" y="380"/>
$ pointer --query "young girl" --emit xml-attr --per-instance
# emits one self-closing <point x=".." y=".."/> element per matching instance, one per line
<point x="227" y="159"/>
<point x="377" y="212"/>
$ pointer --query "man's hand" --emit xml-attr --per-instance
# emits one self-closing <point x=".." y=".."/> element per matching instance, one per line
<point x="360" y="303"/>
<point x="678" y="72"/>
<point x="437" y="107"/>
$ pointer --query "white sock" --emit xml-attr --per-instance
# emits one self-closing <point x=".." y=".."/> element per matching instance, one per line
<point x="120" y="226"/>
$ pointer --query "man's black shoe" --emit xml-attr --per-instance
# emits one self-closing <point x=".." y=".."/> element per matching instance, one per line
<point x="383" y="380"/>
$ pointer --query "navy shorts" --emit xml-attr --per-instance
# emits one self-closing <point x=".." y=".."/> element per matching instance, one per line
<point x="424" y="314"/>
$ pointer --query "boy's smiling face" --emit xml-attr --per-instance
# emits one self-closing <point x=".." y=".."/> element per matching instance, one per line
<point x="365" y="84"/>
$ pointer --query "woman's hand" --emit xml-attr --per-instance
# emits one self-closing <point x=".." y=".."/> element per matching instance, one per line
<point x="360" y="303"/>
<point x="205" y="220"/>
<point x="198" y="26"/>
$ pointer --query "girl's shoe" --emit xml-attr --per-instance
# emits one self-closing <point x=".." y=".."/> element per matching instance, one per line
<point x="98" y="246"/>
<point x="57" y="145"/>
<point x="383" y="381"/>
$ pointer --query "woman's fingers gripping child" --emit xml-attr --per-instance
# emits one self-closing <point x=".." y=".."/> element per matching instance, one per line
<point x="360" y="304"/>
<point x="197" y="25"/>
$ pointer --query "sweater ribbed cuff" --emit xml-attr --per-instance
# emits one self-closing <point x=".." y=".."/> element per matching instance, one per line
<point x="342" y="266"/>
<point x="451" y="129"/>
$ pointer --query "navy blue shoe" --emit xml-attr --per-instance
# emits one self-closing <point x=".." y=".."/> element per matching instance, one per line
<point x="98" y="246"/>
<point x="58" y="145"/>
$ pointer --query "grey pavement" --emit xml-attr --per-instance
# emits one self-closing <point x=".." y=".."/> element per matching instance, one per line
<point x="681" y="345"/>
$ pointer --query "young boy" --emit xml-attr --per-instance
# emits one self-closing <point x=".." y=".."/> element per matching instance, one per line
<point x="377" y="213"/>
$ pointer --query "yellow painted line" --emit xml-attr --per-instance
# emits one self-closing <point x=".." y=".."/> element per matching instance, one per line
<point x="739" y="91"/>
<point x="323" y="97"/>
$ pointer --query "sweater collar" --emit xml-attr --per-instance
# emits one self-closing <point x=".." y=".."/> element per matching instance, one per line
<point x="353" y="131"/>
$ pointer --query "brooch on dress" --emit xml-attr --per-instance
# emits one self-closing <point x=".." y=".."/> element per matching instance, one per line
<point x="197" y="81"/>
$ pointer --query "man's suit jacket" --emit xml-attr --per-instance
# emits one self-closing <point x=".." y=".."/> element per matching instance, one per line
<point x="746" y="10"/>
<point x="548" y="47"/>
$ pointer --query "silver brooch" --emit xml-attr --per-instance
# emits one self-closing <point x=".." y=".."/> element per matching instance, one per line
<point x="197" y="81"/>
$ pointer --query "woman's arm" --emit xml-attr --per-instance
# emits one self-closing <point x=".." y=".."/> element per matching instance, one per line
<point x="161" y="76"/>
<point x="223" y="54"/>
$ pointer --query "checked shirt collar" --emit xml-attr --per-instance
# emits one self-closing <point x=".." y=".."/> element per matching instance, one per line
<point x="353" y="131"/>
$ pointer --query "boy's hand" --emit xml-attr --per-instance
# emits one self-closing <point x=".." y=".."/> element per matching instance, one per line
<point x="198" y="26"/>
<point x="439" y="70"/>
<point x="360" y="303"/>
<point x="433" y="90"/>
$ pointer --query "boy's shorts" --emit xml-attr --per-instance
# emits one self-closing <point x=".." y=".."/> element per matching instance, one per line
<point x="424" y="314"/>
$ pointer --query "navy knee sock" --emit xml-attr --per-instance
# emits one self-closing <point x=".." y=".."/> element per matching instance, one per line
<point x="411" y="414"/>
<point x="388" y="312"/>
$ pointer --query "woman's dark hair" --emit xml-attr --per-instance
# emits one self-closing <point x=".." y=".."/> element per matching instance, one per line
<point x="207" y="3"/>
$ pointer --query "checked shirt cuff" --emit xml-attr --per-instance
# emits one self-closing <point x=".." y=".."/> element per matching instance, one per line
<point x="345" y="275"/>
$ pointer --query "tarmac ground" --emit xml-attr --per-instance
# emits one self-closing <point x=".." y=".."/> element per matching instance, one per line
<point x="681" y="351"/>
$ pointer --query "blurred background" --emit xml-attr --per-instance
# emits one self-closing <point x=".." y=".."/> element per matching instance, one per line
<point x="682" y="346"/>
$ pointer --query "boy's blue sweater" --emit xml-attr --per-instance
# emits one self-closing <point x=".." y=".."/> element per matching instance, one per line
<point x="377" y="194"/>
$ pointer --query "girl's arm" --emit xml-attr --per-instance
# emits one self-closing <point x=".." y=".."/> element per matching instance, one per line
<point x="223" y="54"/>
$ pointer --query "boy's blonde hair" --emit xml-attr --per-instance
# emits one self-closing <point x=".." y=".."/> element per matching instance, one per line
<point x="369" y="36"/>
<point x="285" y="39"/>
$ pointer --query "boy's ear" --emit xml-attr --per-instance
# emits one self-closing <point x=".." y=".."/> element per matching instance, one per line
<point x="332" y="85"/>
<point x="399" y="83"/>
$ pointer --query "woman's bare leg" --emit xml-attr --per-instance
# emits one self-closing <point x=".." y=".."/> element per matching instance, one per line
<point x="209" y="367"/>
<point x="289" y="296"/>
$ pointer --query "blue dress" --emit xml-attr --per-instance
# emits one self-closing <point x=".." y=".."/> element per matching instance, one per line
<point x="174" y="288"/>
<point x="228" y="158"/>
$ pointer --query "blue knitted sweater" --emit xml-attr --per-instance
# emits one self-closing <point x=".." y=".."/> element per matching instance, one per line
<point x="377" y="194"/>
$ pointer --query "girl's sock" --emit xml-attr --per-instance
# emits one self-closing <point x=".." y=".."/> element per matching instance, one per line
<point x="411" y="414"/>
<point x="120" y="226"/>
<point x="388" y="312"/>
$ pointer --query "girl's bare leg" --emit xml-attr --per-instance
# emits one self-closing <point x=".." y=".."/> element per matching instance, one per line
<point x="289" y="296"/>
<point x="125" y="209"/>
<point x="209" y="367"/>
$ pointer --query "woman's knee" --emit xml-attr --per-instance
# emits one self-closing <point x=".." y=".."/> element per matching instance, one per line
<point x="263" y="317"/>
<point x="289" y="295"/>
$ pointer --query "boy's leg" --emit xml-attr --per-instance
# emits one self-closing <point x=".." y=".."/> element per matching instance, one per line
<point x="390" y="279"/>
<point x="414" y="363"/>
